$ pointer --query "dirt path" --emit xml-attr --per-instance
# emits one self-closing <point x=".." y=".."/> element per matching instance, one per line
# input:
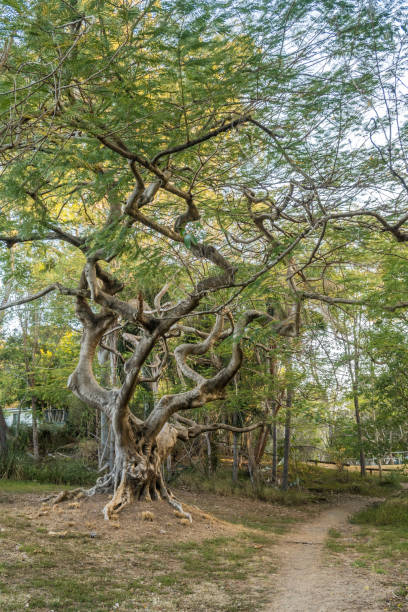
<point x="311" y="581"/>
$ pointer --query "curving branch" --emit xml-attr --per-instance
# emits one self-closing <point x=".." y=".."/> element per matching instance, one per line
<point x="192" y="143"/>
<point x="42" y="293"/>
<point x="193" y="429"/>
<point x="82" y="381"/>
<point x="158" y="298"/>
<point x="183" y="350"/>
<point x="30" y="298"/>
<point x="206" y="390"/>
<point x="55" y="234"/>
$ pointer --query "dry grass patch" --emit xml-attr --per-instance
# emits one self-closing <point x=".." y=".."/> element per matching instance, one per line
<point x="74" y="561"/>
<point x="377" y="541"/>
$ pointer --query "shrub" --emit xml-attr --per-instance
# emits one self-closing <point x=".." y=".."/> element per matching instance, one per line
<point x="222" y="484"/>
<point x="390" y="512"/>
<point x="17" y="465"/>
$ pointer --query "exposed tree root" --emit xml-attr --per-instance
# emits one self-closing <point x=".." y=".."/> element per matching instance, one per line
<point x="123" y="496"/>
<point x="137" y="477"/>
<point x="104" y="484"/>
<point x="64" y="496"/>
<point x="176" y="504"/>
<point x="153" y="490"/>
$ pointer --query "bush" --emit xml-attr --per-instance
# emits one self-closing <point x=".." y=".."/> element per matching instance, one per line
<point x="222" y="484"/>
<point x="17" y="465"/>
<point x="390" y="512"/>
<point x="323" y="480"/>
<point x="50" y="437"/>
<point x="309" y="483"/>
<point x="392" y="479"/>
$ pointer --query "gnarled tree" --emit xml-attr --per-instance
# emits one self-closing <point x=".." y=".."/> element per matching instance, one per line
<point x="142" y="445"/>
<point x="124" y="126"/>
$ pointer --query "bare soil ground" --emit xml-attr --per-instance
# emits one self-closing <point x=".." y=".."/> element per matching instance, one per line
<point x="237" y="555"/>
<point x="68" y="558"/>
<point x="310" y="580"/>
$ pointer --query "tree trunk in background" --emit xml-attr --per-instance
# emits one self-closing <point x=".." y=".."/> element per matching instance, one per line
<point x="274" y="433"/>
<point x="357" y="402"/>
<point x="209" y="455"/>
<point x="235" y="459"/>
<point x="36" y="451"/>
<point x="103" y="451"/>
<point x="3" y="433"/>
<point x="352" y="350"/>
<point x="104" y="441"/>
<point x="252" y="465"/>
<point x="6" y="296"/>
<point x="359" y="431"/>
<point x="235" y="448"/>
<point x="18" y="419"/>
<point x="286" y="449"/>
<point x="273" y="428"/>
<point x="261" y="444"/>
<point x="379" y="469"/>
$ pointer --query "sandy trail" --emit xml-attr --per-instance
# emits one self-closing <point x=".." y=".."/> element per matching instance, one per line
<point x="310" y="581"/>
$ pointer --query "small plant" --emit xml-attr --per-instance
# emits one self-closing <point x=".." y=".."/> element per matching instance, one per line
<point x="390" y="512"/>
<point x="70" y="471"/>
<point x="392" y="479"/>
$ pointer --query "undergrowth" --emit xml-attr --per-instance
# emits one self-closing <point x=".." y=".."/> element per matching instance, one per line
<point x="390" y="512"/>
<point x="17" y="465"/>
<point x="137" y="571"/>
<point x="378" y="542"/>
<point x="308" y="483"/>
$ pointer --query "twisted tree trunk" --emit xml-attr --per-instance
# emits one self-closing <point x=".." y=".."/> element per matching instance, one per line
<point x="137" y="472"/>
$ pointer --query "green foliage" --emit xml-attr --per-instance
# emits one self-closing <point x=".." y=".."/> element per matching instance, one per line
<point x="390" y="512"/>
<point x="220" y="483"/>
<point x="16" y="465"/>
<point x="89" y="86"/>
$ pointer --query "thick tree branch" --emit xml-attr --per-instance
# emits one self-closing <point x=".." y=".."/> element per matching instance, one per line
<point x="192" y="143"/>
<point x="42" y="293"/>
<point x="56" y="234"/>
<point x="183" y="350"/>
<point x="193" y="430"/>
<point x="208" y="389"/>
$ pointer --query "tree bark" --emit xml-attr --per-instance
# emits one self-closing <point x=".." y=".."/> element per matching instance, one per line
<point x="235" y="457"/>
<point x="104" y="458"/>
<point x="137" y="473"/>
<point x="253" y="467"/>
<point x="209" y="453"/>
<point x="352" y="350"/>
<point x="359" y="432"/>
<point x="261" y="444"/>
<point x="235" y="449"/>
<point x="274" y="428"/>
<point x="36" y="451"/>
<point x="18" y="419"/>
<point x="286" y="449"/>
<point x="3" y="433"/>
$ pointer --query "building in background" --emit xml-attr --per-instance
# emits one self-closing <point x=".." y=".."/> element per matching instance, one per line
<point x="21" y="414"/>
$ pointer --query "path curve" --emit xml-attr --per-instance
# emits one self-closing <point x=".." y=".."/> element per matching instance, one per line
<point x="311" y="581"/>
